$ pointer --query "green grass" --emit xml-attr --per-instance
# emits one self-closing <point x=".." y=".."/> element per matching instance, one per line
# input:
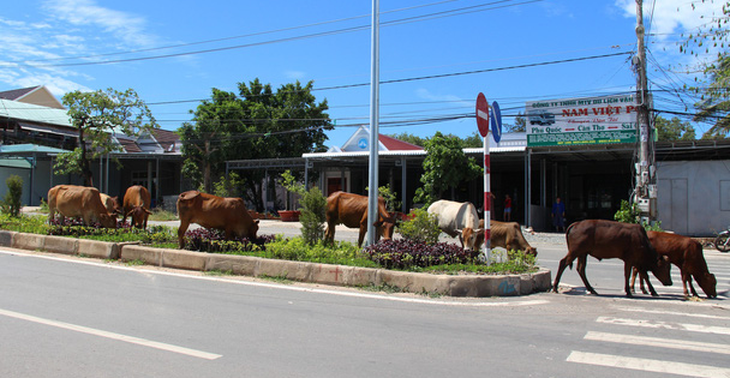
<point x="295" y="249"/>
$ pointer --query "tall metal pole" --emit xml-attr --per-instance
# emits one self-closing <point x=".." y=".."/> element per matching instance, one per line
<point x="374" y="122"/>
<point x="645" y="191"/>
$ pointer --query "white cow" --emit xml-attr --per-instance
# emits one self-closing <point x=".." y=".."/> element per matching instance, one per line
<point x="457" y="218"/>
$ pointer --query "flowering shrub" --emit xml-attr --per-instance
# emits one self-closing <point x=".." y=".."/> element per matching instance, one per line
<point x="408" y="254"/>
<point x="214" y="241"/>
<point x="154" y="234"/>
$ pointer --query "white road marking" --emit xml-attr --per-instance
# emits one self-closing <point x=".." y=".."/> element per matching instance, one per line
<point x="533" y="302"/>
<point x="644" y="364"/>
<point x="112" y="335"/>
<point x="658" y="342"/>
<point x="664" y="325"/>
<point x="686" y="314"/>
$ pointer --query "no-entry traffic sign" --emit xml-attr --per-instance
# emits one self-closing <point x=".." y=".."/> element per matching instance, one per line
<point x="482" y="115"/>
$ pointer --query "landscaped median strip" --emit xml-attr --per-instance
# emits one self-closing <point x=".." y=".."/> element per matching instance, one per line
<point x="451" y="285"/>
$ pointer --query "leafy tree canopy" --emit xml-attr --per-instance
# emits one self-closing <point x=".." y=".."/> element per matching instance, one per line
<point x="714" y="103"/>
<point x="97" y="116"/>
<point x="445" y="167"/>
<point x="256" y="123"/>
<point x="673" y="129"/>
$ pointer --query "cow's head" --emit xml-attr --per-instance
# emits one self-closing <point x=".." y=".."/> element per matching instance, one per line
<point x="108" y="220"/>
<point x="139" y="215"/>
<point x="471" y="237"/>
<point x="253" y="230"/>
<point x="385" y="226"/>
<point x="115" y="203"/>
<point x="708" y="283"/>
<point x="661" y="271"/>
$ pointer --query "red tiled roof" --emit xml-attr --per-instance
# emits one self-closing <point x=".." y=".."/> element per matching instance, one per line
<point x="167" y="139"/>
<point x="393" y="144"/>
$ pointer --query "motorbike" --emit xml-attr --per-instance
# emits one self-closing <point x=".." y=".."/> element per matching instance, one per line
<point x="722" y="241"/>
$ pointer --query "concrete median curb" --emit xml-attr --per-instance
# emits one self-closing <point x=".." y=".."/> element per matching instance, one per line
<point x="327" y="274"/>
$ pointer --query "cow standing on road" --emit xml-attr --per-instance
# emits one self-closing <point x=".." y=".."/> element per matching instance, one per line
<point x="604" y="239"/>
<point x="79" y="201"/>
<point x="221" y="213"/>
<point x="685" y="253"/>
<point x="352" y="211"/>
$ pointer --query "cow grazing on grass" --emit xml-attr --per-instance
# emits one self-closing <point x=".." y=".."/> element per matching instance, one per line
<point x="605" y="239"/>
<point x="79" y="201"/>
<point x="137" y="201"/>
<point x="507" y="235"/>
<point x="352" y="211"/>
<point x="458" y="219"/>
<point x="111" y="203"/>
<point x="685" y="253"/>
<point x="209" y="211"/>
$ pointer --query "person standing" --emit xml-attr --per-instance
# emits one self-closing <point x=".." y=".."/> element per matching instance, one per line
<point x="558" y="215"/>
<point x="507" y="214"/>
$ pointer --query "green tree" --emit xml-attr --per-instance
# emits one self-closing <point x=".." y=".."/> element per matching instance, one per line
<point x="97" y="116"/>
<point x="445" y="166"/>
<point x="257" y="123"/>
<point x="11" y="203"/>
<point x="673" y="129"/>
<point x="410" y="138"/>
<point x="203" y="139"/>
<point x="714" y="103"/>
<point x="520" y="125"/>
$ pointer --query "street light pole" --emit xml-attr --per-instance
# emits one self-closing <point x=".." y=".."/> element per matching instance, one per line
<point x="374" y="123"/>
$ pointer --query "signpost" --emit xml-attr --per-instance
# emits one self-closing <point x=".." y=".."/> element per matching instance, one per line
<point x="482" y="115"/>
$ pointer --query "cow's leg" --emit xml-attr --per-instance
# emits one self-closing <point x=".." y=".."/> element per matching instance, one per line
<point x="564" y="263"/>
<point x="645" y="277"/>
<point x="634" y="273"/>
<point x="184" y="224"/>
<point x="627" y="273"/>
<point x="361" y="236"/>
<point x="691" y="287"/>
<point x="581" y="268"/>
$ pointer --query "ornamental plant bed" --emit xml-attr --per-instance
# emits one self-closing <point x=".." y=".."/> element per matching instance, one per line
<point x="399" y="254"/>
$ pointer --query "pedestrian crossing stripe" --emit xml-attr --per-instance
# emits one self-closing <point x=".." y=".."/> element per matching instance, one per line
<point x="650" y="365"/>
<point x="664" y="325"/>
<point x="658" y="342"/>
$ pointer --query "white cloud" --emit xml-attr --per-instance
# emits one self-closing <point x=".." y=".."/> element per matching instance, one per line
<point x="295" y="75"/>
<point x="124" y="26"/>
<point x="671" y="17"/>
<point x="427" y="95"/>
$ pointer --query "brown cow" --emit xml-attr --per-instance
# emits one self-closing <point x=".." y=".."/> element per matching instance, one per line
<point x="79" y="201"/>
<point x="685" y="253"/>
<point x="209" y="211"/>
<point x="352" y="211"/>
<point x="137" y="202"/>
<point x="604" y="239"/>
<point x="111" y="203"/>
<point x="507" y="235"/>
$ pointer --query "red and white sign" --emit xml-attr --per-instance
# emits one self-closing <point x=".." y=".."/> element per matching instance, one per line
<point x="483" y="124"/>
<point x="482" y="115"/>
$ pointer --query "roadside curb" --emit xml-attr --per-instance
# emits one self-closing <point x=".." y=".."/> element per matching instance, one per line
<point x="326" y="274"/>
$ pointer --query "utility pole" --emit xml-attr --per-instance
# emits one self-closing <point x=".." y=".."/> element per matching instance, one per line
<point x="645" y="190"/>
<point x="374" y="123"/>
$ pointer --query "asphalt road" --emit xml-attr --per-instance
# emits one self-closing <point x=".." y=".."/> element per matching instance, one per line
<point x="74" y="317"/>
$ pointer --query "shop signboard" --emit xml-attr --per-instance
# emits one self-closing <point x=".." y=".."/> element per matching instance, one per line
<point x="581" y="121"/>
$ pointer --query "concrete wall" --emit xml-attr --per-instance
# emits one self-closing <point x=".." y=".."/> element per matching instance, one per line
<point x="693" y="197"/>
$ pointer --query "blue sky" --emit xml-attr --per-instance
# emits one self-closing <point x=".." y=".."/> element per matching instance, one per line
<point x="436" y="56"/>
